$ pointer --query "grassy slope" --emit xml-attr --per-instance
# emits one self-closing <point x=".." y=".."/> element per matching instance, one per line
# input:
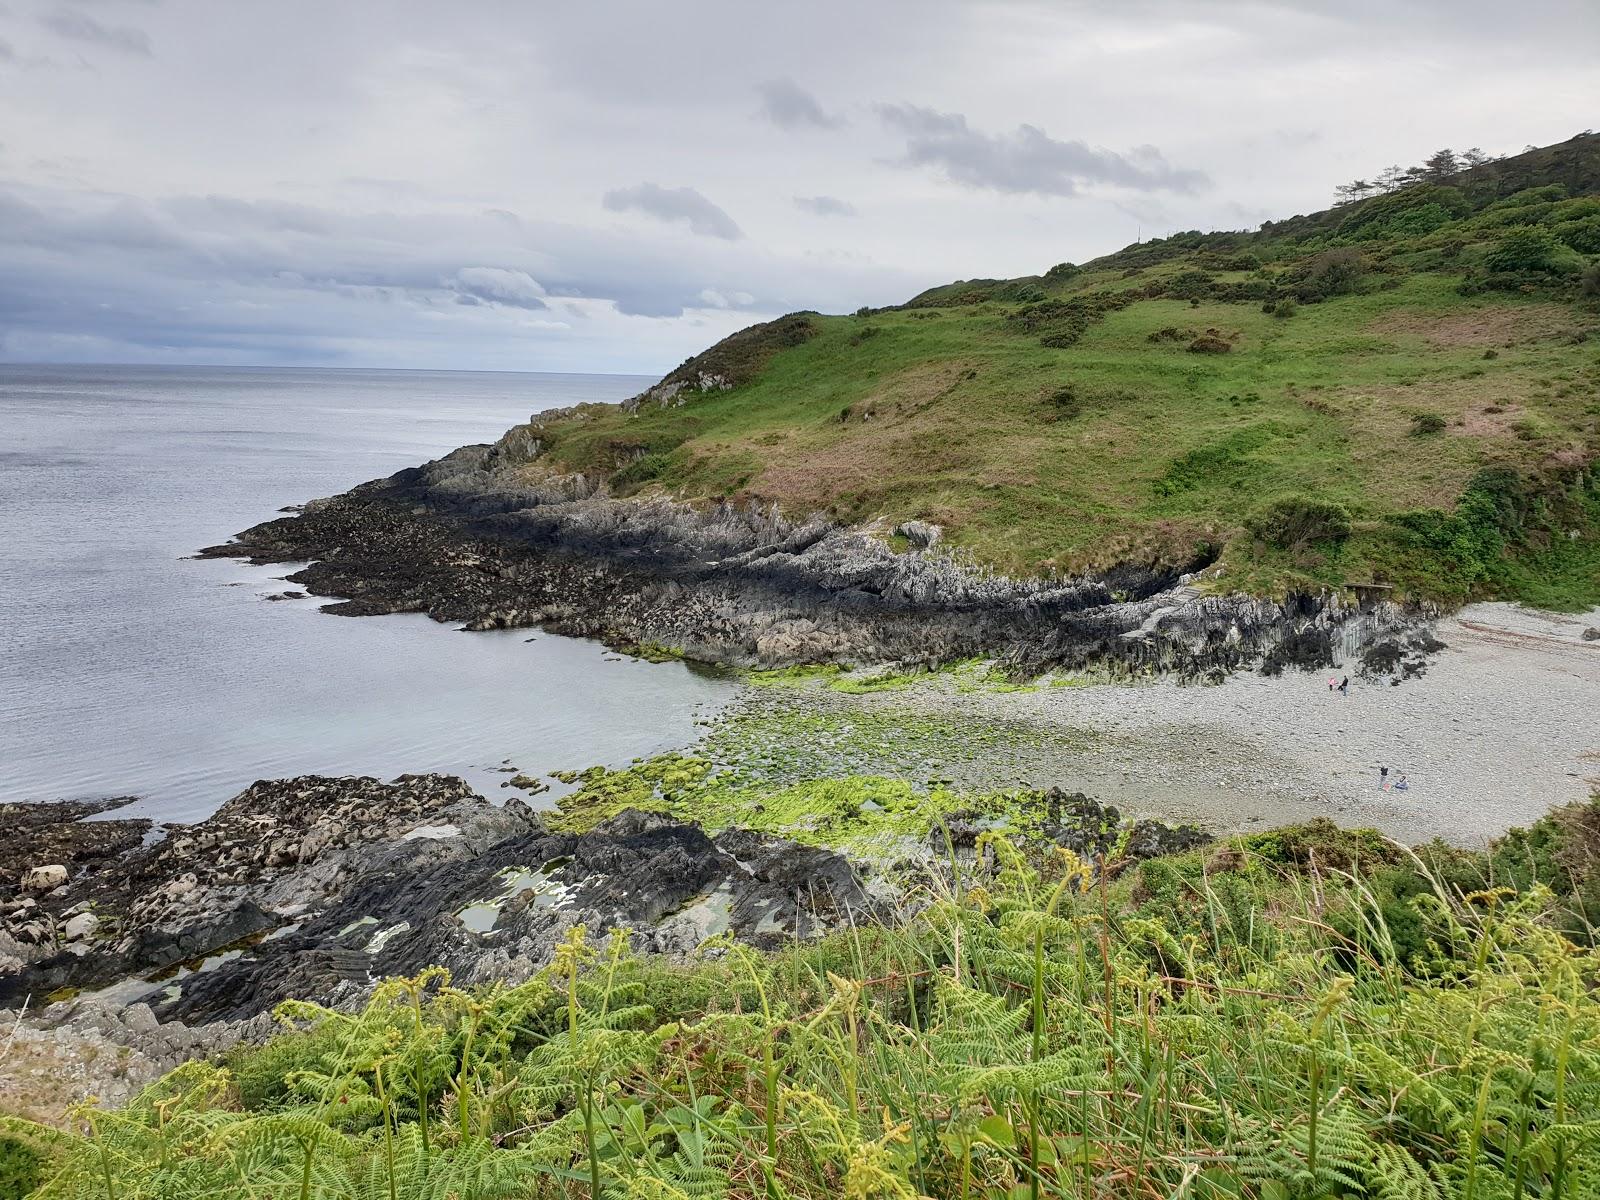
<point x="951" y="409"/>
<point x="1253" y="1022"/>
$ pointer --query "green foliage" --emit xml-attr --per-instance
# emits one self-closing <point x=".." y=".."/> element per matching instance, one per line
<point x="1409" y="212"/>
<point x="1581" y="235"/>
<point x="21" y="1167"/>
<point x="1225" y="463"/>
<point x="1261" y="1025"/>
<point x="1336" y="272"/>
<point x="1523" y="249"/>
<point x="1423" y="423"/>
<point x="1508" y="535"/>
<point x="1322" y="843"/>
<point x="1051" y="430"/>
<point x="1291" y="521"/>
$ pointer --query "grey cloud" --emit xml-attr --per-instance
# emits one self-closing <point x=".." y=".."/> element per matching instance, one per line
<point x="675" y="204"/>
<point x="499" y="285"/>
<point x="789" y="106"/>
<point x="87" y="276"/>
<point x="825" y="206"/>
<point x="7" y="53"/>
<point x="1027" y="160"/>
<point x="79" y="27"/>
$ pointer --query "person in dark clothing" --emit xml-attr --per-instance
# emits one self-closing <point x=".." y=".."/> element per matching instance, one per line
<point x="1383" y="778"/>
<point x="1344" y="686"/>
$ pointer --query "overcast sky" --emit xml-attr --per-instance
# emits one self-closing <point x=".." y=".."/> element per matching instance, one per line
<point x="510" y="184"/>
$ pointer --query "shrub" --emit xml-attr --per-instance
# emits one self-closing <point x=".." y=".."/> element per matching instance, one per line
<point x="1189" y="285"/>
<point x="1591" y="279"/>
<point x="1210" y="343"/>
<point x="1292" y="521"/>
<point x="1523" y="249"/>
<point x="1283" y="309"/>
<point x="1063" y="271"/>
<point x="1582" y="236"/>
<point x="640" y="471"/>
<point x="1336" y="272"/>
<point x="21" y="1169"/>
<point x="1425" y="423"/>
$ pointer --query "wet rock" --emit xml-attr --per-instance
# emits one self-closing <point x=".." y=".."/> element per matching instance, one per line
<point x="468" y="539"/>
<point x="276" y="850"/>
<point x="1591" y="634"/>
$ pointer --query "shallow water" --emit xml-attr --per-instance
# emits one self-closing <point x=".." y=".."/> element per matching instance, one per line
<point x="127" y="669"/>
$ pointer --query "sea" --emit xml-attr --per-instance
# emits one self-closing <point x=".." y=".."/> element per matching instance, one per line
<point x="128" y="668"/>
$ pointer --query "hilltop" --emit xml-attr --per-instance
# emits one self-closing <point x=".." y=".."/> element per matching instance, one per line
<point x="1417" y="369"/>
<point x="1276" y="448"/>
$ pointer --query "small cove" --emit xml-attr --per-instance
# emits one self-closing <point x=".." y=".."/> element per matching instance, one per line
<point x="131" y="670"/>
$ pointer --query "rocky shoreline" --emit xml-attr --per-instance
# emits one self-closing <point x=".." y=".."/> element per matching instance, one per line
<point x="142" y="950"/>
<point x="478" y="537"/>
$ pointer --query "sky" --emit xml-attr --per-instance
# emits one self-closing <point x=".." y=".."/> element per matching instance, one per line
<point x="612" y="186"/>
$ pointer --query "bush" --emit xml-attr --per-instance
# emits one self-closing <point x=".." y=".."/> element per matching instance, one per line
<point x="21" y="1169"/>
<point x="1591" y="279"/>
<point x="1582" y="236"/>
<point x="1425" y="423"/>
<point x="1189" y="285"/>
<point x="1283" y="309"/>
<point x="1523" y="249"/>
<point x="1062" y="271"/>
<point x="1210" y="343"/>
<point x="1336" y="272"/>
<point x="1293" y="521"/>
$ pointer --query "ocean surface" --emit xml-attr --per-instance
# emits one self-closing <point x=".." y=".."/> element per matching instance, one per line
<point x="128" y="669"/>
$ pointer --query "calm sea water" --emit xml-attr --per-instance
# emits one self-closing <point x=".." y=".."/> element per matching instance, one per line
<point x="126" y="669"/>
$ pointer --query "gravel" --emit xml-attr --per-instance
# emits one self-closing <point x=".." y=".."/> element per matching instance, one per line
<point x="1503" y="726"/>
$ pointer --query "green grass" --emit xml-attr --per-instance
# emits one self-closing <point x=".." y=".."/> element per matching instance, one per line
<point x="1300" y="1014"/>
<point x="1125" y="446"/>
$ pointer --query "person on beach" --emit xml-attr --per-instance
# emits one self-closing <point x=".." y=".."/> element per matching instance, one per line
<point x="1344" y="686"/>
<point x="1383" y="779"/>
<point x="1401" y="784"/>
<point x="1331" y="683"/>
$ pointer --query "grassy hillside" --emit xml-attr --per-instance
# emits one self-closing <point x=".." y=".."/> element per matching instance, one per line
<point x="1419" y="372"/>
<point x="1305" y="1013"/>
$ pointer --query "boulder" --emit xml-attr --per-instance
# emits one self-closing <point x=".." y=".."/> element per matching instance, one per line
<point x="80" y="927"/>
<point x="44" y="879"/>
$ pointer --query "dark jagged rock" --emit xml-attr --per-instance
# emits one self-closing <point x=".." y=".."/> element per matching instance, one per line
<point x="476" y="537"/>
<point x="279" y="848"/>
<point x="55" y="833"/>
<point x="316" y="886"/>
<point x="638" y="871"/>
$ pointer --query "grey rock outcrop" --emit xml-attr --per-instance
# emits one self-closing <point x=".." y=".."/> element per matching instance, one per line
<point x="479" y="537"/>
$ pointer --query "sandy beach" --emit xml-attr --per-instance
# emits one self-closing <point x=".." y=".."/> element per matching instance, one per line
<point x="1503" y="726"/>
